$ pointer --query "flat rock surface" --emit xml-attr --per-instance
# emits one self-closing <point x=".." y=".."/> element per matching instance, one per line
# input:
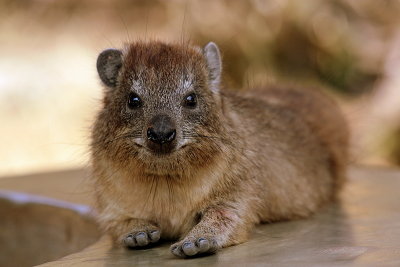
<point x="363" y="229"/>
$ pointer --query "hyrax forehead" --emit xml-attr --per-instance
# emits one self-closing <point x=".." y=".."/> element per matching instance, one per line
<point x="156" y="66"/>
<point x="160" y="66"/>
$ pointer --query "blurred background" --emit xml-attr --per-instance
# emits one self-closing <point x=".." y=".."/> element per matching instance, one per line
<point x="50" y="92"/>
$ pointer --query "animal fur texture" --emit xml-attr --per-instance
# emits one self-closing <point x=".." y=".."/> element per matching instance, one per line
<point x="236" y="159"/>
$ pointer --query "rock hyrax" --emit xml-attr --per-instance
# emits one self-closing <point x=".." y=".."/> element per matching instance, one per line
<point x="177" y="157"/>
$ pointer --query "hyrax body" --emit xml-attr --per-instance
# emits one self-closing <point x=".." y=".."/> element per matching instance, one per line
<point x="176" y="157"/>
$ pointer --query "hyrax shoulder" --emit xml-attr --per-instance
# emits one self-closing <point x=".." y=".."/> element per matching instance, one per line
<point x="176" y="157"/>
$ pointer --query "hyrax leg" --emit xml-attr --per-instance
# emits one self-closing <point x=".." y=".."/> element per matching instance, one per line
<point x="134" y="232"/>
<point x="220" y="226"/>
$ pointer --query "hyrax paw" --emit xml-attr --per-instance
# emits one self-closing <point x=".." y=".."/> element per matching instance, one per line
<point x="141" y="238"/>
<point x="196" y="247"/>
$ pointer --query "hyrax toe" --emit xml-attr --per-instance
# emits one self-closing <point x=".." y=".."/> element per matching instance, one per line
<point x="141" y="238"/>
<point x="154" y="235"/>
<point x="194" y="247"/>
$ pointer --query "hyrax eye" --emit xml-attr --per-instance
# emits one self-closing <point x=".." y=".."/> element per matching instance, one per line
<point x="190" y="101"/>
<point x="134" y="101"/>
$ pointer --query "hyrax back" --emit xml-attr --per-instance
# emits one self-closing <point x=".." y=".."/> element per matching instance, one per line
<point x="175" y="157"/>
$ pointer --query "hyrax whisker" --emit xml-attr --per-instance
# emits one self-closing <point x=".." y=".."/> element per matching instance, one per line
<point x="116" y="139"/>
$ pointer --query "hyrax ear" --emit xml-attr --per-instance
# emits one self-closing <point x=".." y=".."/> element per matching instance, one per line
<point x="109" y="63"/>
<point x="213" y="58"/>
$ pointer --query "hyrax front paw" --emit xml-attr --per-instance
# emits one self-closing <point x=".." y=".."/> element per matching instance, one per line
<point x="190" y="247"/>
<point x="141" y="238"/>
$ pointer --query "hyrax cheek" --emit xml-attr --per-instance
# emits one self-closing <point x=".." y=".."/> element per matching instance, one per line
<point x="139" y="141"/>
<point x="182" y="142"/>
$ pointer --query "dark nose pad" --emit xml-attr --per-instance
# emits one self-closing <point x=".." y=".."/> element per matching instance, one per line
<point x="162" y="130"/>
<point x="160" y="137"/>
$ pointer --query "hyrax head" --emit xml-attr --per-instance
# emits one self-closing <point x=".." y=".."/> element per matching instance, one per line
<point x="161" y="103"/>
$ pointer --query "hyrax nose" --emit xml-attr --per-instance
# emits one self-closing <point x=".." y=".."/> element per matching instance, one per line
<point x="162" y="130"/>
<point x="160" y="137"/>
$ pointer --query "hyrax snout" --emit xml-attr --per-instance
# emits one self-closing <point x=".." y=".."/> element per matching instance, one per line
<point x="161" y="133"/>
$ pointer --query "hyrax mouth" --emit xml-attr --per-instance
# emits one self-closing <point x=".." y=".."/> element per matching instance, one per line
<point x="161" y="149"/>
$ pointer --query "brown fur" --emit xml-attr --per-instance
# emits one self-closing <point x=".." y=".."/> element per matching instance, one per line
<point x="250" y="157"/>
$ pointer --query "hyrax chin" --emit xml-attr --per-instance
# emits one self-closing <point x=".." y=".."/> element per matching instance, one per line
<point x="176" y="157"/>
